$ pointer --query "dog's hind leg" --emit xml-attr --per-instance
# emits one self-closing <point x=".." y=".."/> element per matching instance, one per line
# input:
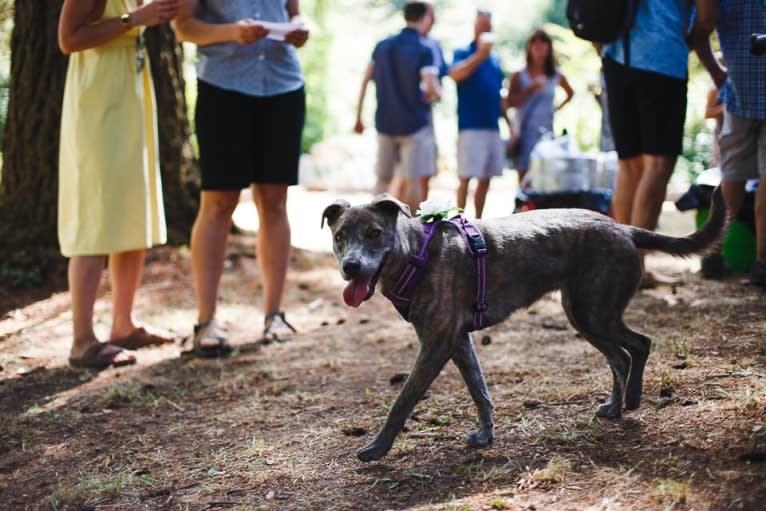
<point x="433" y="355"/>
<point x="593" y="321"/>
<point x="466" y="361"/>
<point x="619" y="363"/>
<point x="638" y="345"/>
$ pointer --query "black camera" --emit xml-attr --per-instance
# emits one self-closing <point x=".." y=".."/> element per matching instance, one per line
<point x="758" y="44"/>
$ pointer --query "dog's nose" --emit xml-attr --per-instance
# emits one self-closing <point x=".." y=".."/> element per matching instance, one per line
<point x="351" y="267"/>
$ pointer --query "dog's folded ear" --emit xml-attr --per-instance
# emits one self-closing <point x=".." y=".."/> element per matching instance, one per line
<point x="333" y="211"/>
<point x="391" y="204"/>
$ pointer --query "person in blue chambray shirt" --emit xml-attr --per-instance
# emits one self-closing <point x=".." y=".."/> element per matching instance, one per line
<point x="406" y="83"/>
<point x="249" y="118"/>
<point x="647" y="106"/>
<point x="742" y="140"/>
<point x="479" y="77"/>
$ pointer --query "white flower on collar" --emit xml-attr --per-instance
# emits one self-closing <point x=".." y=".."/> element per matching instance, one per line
<point x="436" y="209"/>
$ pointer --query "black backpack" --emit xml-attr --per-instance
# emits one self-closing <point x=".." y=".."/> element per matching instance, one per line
<point x="602" y="21"/>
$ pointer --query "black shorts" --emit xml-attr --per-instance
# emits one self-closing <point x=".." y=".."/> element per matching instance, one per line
<point x="247" y="139"/>
<point x="646" y="110"/>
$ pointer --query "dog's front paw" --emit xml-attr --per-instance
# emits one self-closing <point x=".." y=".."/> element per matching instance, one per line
<point x="480" y="438"/>
<point x="372" y="451"/>
<point x="609" y="411"/>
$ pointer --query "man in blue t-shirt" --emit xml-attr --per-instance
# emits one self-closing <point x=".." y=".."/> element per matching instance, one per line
<point x="406" y="82"/>
<point x="647" y="106"/>
<point x="479" y="78"/>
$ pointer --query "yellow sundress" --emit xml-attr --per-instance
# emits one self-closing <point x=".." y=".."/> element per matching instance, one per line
<point x="110" y="193"/>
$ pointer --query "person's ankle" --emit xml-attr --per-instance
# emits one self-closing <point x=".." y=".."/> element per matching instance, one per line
<point x="204" y="320"/>
<point x="82" y="342"/>
<point x="121" y="329"/>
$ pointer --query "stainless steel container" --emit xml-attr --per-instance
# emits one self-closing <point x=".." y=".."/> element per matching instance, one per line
<point x="607" y="171"/>
<point x="565" y="173"/>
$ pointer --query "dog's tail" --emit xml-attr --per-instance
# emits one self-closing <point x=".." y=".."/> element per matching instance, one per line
<point x="695" y="242"/>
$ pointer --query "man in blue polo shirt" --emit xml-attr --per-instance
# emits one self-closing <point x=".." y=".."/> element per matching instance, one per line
<point x="406" y="82"/>
<point x="479" y="78"/>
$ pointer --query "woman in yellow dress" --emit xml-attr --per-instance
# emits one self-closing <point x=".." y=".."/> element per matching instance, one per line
<point x="110" y="197"/>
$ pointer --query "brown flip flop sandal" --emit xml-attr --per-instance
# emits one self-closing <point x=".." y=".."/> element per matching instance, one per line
<point x="101" y="356"/>
<point x="140" y="338"/>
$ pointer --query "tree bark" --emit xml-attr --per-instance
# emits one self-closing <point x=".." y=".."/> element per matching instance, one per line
<point x="179" y="166"/>
<point x="29" y="179"/>
<point x="28" y="185"/>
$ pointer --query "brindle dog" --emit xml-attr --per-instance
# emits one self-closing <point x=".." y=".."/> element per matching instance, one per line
<point x="593" y="260"/>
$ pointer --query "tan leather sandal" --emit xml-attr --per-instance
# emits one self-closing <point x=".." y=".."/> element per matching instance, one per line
<point x="276" y="328"/>
<point x="210" y="331"/>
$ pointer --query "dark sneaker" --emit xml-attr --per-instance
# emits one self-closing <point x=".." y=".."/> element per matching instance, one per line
<point x="758" y="274"/>
<point x="713" y="266"/>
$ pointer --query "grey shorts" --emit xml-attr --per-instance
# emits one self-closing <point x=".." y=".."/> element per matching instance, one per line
<point x="743" y="148"/>
<point x="409" y="156"/>
<point x="480" y="153"/>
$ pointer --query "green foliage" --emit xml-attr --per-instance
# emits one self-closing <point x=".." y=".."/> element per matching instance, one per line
<point x="499" y="503"/>
<point x="130" y="396"/>
<point x="16" y="272"/>
<point x="6" y="27"/>
<point x="556" y="13"/>
<point x="698" y="139"/>
<point x="580" y="64"/>
<point x="96" y="485"/>
<point x="393" y="5"/>
<point x="6" y="10"/>
<point x="696" y="154"/>
<point x="4" y="84"/>
<point x="470" y="467"/>
<point x="315" y="64"/>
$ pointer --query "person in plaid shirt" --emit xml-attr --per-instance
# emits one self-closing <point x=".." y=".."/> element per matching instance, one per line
<point x="743" y="134"/>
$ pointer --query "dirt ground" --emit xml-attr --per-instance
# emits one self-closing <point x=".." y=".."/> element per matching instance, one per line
<point x="277" y="426"/>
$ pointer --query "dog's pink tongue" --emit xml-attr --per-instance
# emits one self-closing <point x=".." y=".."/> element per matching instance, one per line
<point x="356" y="291"/>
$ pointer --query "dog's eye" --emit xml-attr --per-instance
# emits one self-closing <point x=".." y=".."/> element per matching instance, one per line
<point x="374" y="233"/>
<point x="339" y="237"/>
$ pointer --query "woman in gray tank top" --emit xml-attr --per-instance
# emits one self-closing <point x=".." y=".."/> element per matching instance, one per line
<point x="532" y="92"/>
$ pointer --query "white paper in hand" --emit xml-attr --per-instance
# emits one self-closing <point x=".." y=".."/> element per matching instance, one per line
<point x="277" y="31"/>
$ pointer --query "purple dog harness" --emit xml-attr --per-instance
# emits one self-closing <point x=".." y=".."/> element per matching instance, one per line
<point x="401" y="294"/>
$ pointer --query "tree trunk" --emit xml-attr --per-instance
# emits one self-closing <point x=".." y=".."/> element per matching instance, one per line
<point x="180" y="171"/>
<point x="29" y="179"/>
<point x="28" y="186"/>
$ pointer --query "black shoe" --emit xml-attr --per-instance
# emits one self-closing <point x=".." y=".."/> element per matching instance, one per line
<point x="758" y="274"/>
<point x="713" y="267"/>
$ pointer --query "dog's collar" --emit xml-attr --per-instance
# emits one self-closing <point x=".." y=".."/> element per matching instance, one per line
<point x="402" y="293"/>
